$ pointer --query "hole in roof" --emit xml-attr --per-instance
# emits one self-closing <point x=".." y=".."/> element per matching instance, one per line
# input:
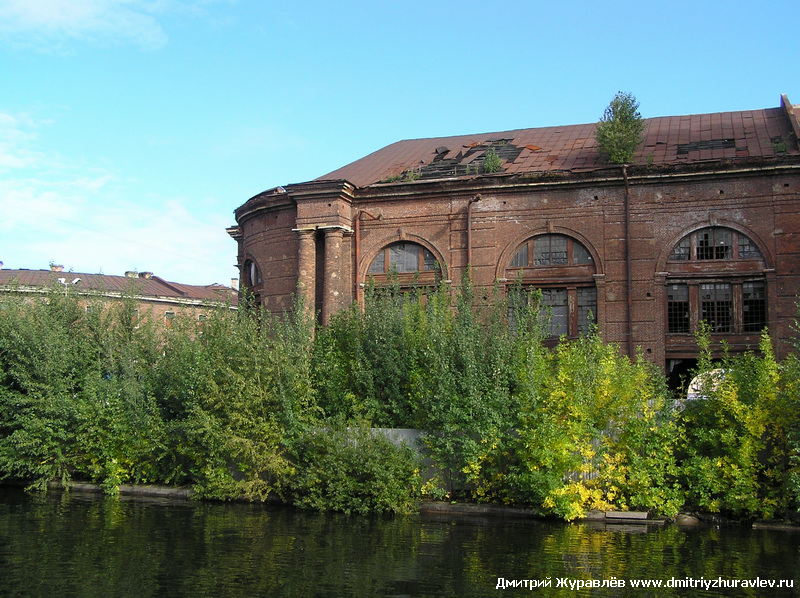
<point x="695" y="146"/>
<point x="467" y="162"/>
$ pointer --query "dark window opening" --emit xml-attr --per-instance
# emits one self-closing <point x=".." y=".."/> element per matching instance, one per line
<point x="724" y="295"/>
<point x="714" y="244"/>
<point x="754" y="306"/>
<point x="678" y="308"/>
<point x="716" y="306"/>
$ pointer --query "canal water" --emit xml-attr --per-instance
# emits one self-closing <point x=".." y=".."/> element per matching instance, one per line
<point x="88" y="545"/>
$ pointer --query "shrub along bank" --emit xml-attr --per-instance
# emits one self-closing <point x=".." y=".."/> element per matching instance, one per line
<point x="244" y="405"/>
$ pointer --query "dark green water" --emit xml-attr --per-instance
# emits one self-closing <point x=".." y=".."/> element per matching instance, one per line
<point x="85" y="545"/>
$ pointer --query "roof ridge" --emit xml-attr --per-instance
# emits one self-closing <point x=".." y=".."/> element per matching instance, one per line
<point x="563" y="126"/>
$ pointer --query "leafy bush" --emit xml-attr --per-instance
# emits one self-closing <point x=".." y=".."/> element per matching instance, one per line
<point x="245" y="405"/>
<point x="238" y="387"/>
<point x="595" y="433"/>
<point x="736" y="453"/>
<point x="75" y="393"/>
<point x="354" y="470"/>
<point x="364" y="360"/>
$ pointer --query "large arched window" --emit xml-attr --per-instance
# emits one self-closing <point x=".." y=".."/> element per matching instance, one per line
<point x="563" y="269"/>
<point x="716" y="275"/>
<point x="409" y="262"/>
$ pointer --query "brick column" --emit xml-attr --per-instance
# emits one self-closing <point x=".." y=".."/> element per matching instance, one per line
<point x="306" y="267"/>
<point x="332" y="278"/>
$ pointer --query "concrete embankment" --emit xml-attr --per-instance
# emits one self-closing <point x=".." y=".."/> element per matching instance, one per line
<point x="614" y="519"/>
<point x="130" y="490"/>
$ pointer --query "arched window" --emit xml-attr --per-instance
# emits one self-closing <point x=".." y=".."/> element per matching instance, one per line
<point x="715" y="243"/>
<point x="251" y="273"/>
<point x="550" y="250"/>
<point x="716" y="275"/>
<point x="409" y="262"/>
<point x="563" y="269"/>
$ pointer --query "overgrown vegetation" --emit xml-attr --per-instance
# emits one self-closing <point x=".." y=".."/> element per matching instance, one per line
<point x="620" y="130"/>
<point x="245" y="405"/>
<point x="492" y="162"/>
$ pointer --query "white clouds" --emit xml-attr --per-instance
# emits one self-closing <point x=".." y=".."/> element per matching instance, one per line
<point x="50" y="24"/>
<point x="93" y="219"/>
<point x="53" y="21"/>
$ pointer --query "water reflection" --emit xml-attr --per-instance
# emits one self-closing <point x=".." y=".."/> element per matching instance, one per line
<point x="83" y="545"/>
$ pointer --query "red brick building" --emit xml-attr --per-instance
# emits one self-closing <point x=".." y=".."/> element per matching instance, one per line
<point x="155" y="297"/>
<point x="703" y="225"/>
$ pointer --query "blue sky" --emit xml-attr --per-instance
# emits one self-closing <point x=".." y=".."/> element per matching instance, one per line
<point x="131" y="129"/>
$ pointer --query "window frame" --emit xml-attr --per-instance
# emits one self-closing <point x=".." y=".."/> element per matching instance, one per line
<point x="693" y="249"/>
<point x="697" y="265"/>
<point x="573" y="325"/>
<point x="738" y="322"/>
<point x="572" y="277"/>
<point x="252" y="273"/>
<point x="428" y="272"/>
<point x="421" y="258"/>
<point x="528" y="248"/>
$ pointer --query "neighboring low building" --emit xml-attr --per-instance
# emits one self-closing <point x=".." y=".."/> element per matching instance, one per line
<point x="154" y="296"/>
<point x="703" y="225"/>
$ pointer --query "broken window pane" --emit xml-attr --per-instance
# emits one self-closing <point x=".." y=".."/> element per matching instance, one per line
<point x="678" y="308"/>
<point x="521" y="258"/>
<point x="716" y="306"/>
<point x="754" y="306"/>
<point x="555" y="306"/>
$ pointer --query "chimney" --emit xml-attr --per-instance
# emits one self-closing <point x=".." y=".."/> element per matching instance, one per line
<point x="56" y="268"/>
<point x="131" y="274"/>
<point x="147" y="275"/>
<point x="234" y="281"/>
<point x="1" y="265"/>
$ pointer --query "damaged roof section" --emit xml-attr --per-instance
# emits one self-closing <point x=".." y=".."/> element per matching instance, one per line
<point x="460" y="161"/>
<point x="669" y="141"/>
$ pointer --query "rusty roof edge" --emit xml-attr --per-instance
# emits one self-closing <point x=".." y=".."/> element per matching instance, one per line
<point x="788" y="109"/>
<point x="563" y="178"/>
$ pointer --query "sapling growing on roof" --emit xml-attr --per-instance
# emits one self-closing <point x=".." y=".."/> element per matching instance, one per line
<point x="621" y="129"/>
<point x="491" y="161"/>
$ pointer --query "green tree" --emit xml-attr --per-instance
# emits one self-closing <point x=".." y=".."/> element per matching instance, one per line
<point x="621" y="129"/>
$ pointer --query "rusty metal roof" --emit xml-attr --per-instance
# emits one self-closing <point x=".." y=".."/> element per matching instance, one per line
<point x="669" y="140"/>
<point x="142" y="286"/>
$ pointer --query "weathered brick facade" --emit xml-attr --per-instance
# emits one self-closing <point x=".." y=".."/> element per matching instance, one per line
<point x="704" y="224"/>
